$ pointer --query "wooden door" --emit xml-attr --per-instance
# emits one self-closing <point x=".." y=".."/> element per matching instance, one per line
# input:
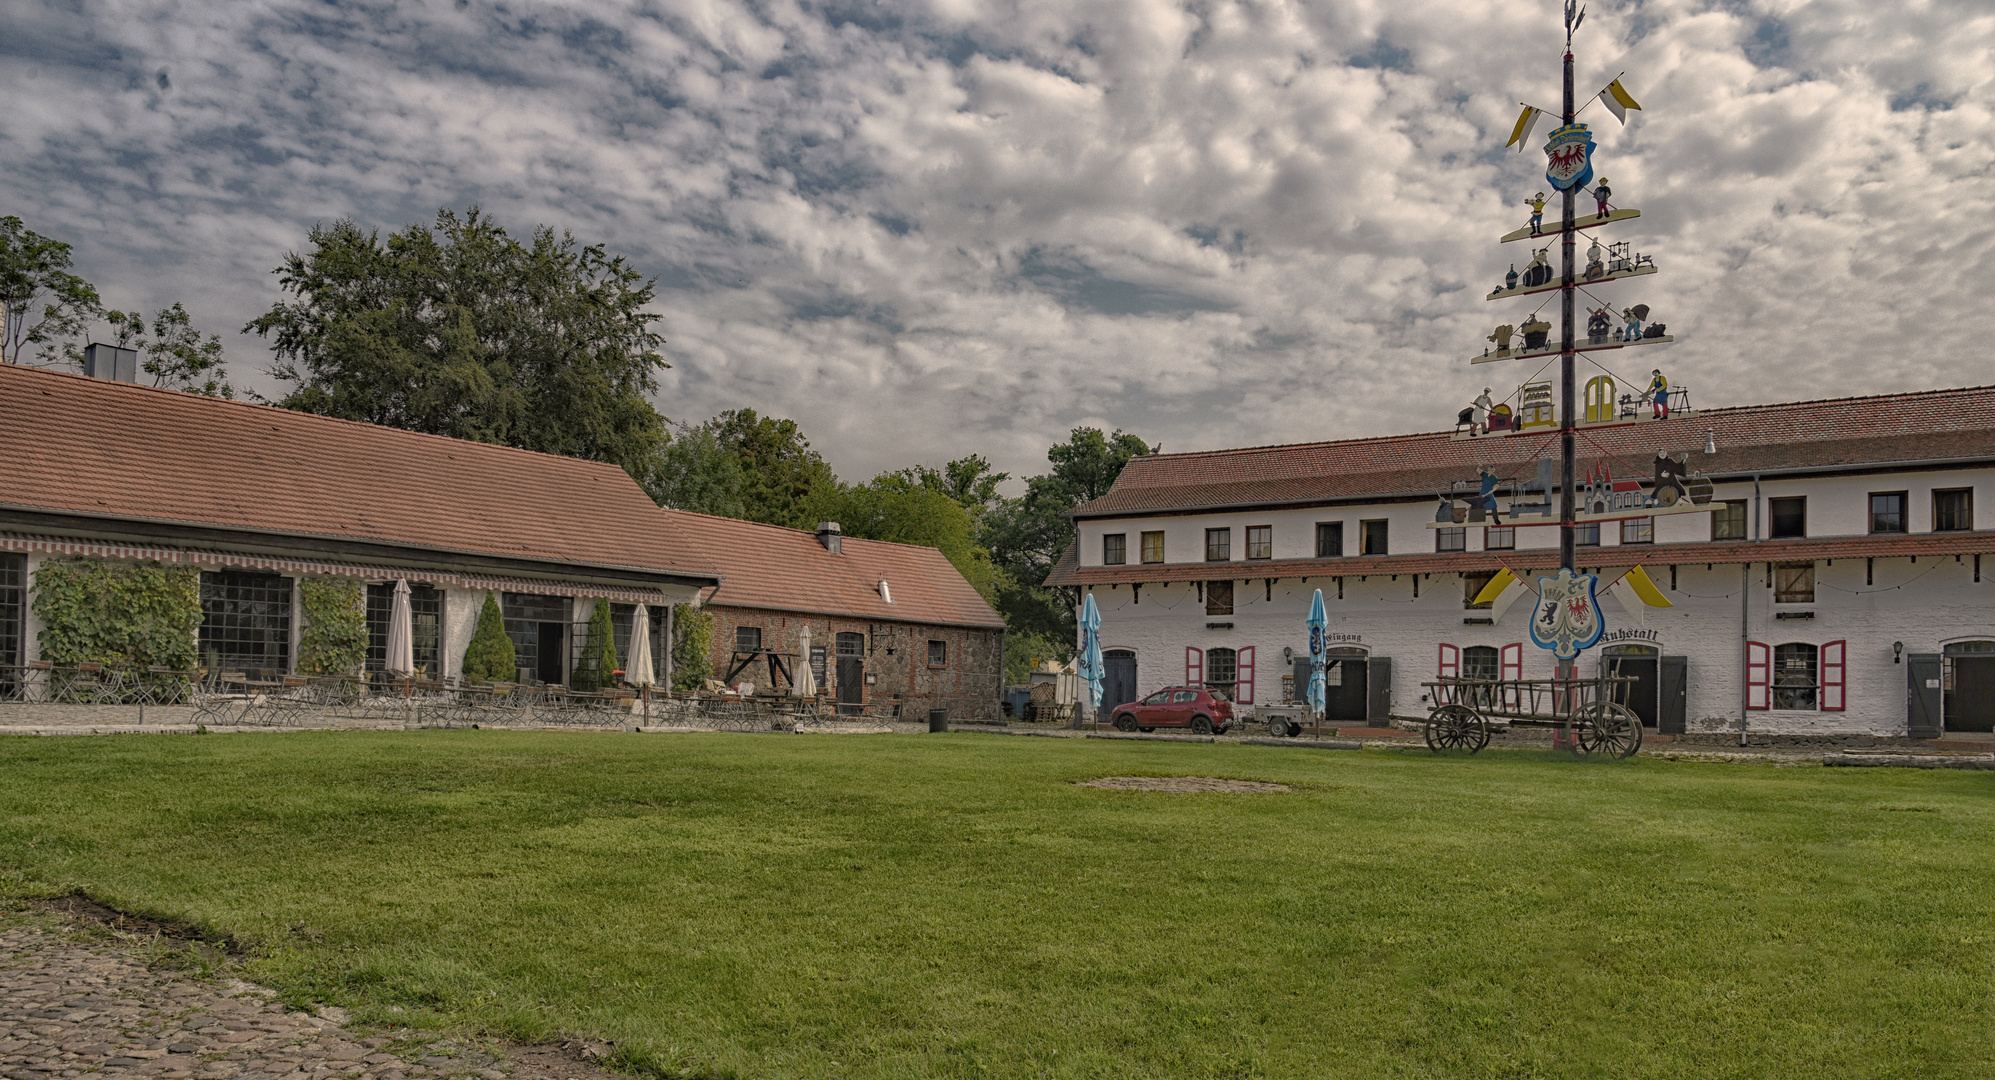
<point x="1970" y="693"/>
<point x="851" y="683"/>
<point x="1118" y="684"/>
<point x="1672" y="695"/>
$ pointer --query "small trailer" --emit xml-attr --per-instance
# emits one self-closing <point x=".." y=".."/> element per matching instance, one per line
<point x="1592" y="713"/>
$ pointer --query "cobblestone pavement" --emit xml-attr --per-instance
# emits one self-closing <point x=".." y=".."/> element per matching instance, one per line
<point x="73" y="1006"/>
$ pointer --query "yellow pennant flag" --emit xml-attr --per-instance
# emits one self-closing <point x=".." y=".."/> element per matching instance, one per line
<point x="1503" y="580"/>
<point x="1638" y="579"/>
<point x="1618" y="100"/>
<point x="1521" y="133"/>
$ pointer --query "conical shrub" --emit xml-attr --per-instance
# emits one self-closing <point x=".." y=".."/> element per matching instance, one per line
<point x="490" y="657"/>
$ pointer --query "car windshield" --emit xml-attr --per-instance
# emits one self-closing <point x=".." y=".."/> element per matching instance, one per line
<point x="1219" y="695"/>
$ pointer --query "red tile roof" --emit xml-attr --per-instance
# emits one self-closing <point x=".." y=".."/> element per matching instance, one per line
<point x="76" y="445"/>
<point x="1066" y="573"/>
<point x="770" y="567"/>
<point x="1888" y="428"/>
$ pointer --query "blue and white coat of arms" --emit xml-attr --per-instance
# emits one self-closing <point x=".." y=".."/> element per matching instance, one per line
<point x="1567" y="620"/>
<point x="1569" y="157"/>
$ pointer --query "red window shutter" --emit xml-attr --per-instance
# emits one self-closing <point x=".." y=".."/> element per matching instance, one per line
<point x="1833" y="666"/>
<point x="1243" y="689"/>
<point x="1451" y="661"/>
<point x="1759" y="676"/>
<point x="1194" y="666"/>
<point x="1512" y="659"/>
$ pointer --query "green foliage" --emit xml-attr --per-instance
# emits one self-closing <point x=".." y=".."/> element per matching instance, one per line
<point x="100" y="612"/>
<point x="460" y="330"/>
<point x="780" y="473"/>
<point x="42" y="304"/>
<point x="595" y="670"/>
<point x="692" y="646"/>
<point x="334" y="641"/>
<point x="490" y="656"/>
<point x="694" y="472"/>
<point x="1021" y="648"/>
<point x="1025" y="535"/>
<point x="968" y="481"/>
<point x="895" y="508"/>
<point x="176" y="356"/>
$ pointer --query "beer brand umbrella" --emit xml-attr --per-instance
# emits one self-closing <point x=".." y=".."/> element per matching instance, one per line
<point x="1317" y="621"/>
<point x="1089" y="662"/>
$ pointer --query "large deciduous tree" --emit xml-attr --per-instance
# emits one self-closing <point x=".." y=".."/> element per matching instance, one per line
<point x="459" y="329"/>
<point x="42" y="305"/>
<point x="176" y="355"/>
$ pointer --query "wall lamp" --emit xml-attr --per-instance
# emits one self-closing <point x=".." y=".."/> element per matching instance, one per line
<point x="1897" y="652"/>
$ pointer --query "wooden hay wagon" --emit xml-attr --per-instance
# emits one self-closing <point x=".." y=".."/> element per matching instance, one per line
<point x="1592" y="712"/>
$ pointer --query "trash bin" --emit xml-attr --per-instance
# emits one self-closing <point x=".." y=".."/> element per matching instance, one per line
<point x="938" y="719"/>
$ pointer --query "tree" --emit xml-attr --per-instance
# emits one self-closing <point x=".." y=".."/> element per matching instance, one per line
<point x="490" y="657"/>
<point x="42" y="304"/>
<point x="176" y="356"/>
<point x="1025" y="535"/>
<point x="968" y="481"/>
<point x="780" y="473"/>
<point x="598" y="663"/>
<point x="693" y="471"/>
<point x="458" y="329"/>
<point x="894" y="508"/>
<point x="692" y="647"/>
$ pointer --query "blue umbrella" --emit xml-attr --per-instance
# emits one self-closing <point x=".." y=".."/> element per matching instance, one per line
<point x="1317" y="621"/>
<point x="1090" y="659"/>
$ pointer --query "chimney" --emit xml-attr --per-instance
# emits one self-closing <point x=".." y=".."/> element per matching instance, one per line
<point x="111" y="362"/>
<point x="1710" y="442"/>
<point x="828" y="535"/>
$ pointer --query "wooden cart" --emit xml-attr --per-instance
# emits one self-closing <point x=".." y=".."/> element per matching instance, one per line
<point x="1592" y="713"/>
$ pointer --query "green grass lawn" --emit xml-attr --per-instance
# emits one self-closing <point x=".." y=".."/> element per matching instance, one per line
<point x="953" y="906"/>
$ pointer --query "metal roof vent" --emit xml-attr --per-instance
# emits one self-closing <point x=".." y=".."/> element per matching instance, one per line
<point x="1710" y="441"/>
<point x="886" y="593"/>
<point x="111" y="362"/>
<point x="829" y="536"/>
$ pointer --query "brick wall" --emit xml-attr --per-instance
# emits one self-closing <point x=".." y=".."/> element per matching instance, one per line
<point x="896" y="656"/>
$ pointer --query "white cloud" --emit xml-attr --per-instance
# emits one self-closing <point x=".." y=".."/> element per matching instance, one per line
<point x="930" y="228"/>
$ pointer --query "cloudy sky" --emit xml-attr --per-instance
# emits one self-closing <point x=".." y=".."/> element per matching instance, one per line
<point x="925" y="228"/>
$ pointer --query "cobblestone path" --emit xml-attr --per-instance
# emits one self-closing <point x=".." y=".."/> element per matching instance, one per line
<point x="70" y="1008"/>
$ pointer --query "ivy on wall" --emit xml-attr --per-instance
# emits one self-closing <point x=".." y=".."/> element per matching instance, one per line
<point x="93" y="611"/>
<point x="334" y="641"/>
<point x="692" y="649"/>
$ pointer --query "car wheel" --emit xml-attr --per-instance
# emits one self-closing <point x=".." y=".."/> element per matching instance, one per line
<point x="1147" y="730"/>
<point x="1201" y="725"/>
<point x="1125" y="722"/>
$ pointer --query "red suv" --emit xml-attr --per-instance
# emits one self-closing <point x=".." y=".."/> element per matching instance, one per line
<point x="1205" y="712"/>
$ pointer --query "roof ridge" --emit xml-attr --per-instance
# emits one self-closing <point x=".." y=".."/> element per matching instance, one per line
<point x="205" y="401"/>
<point x="808" y="533"/>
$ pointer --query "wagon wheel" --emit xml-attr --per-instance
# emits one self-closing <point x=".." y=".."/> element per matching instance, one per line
<point x="1456" y="727"/>
<point x="1607" y="728"/>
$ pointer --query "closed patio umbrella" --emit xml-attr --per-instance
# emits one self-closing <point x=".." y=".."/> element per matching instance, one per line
<point x="1317" y="621"/>
<point x="1089" y="667"/>
<point x="401" y="659"/>
<point x="804" y="682"/>
<point x="637" y="669"/>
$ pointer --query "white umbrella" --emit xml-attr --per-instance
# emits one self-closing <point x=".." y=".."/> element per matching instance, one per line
<point x="401" y="659"/>
<point x="805" y="682"/>
<point x="637" y="669"/>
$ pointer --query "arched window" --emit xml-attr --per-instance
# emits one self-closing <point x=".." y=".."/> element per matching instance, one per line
<point x="1795" y="675"/>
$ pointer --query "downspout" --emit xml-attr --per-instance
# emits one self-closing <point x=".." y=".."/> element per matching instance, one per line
<point x="1745" y="629"/>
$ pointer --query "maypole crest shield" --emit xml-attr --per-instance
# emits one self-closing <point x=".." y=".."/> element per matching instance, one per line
<point x="1567" y="619"/>
<point x="1569" y="157"/>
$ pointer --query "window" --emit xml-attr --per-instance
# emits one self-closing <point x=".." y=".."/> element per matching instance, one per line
<point x="1794" y="583"/>
<point x="1887" y="511"/>
<point x="1638" y="531"/>
<point x="851" y="644"/>
<point x="425" y="627"/>
<point x="1218" y="545"/>
<point x="1115" y="549"/>
<point x="1499" y="539"/>
<point x="1472" y="586"/>
<point x="1219" y="598"/>
<point x="623" y="620"/>
<point x="1586" y="535"/>
<point x="1161" y="697"/>
<point x="1153" y="547"/>
<point x="1794" y="676"/>
<point x="1789" y="516"/>
<point x="1183" y="697"/>
<point x="1451" y="539"/>
<point x="1953" y="510"/>
<point x="1728" y="520"/>
<point x="1221" y="669"/>
<point x="1479" y="662"/>
<point x="938" y="654"/>
<point x="245" y="620"/>
<point x="747" y="639"/>
<point x="533" y="620"/>
<point x="1260" y="541"/>
<point x="1371" y="538"/>
<point x="13" y="601"/>
<point x="1329" y="539"/>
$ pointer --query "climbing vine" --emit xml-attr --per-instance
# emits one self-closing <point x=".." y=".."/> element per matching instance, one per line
<point x="334" y="641"/>
<point x="93" y="611"/>
<point x="692" y="652"/>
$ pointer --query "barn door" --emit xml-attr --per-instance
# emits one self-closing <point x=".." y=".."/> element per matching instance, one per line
<point x="1673" y="694"/>
<point x="1922" y="695"/>
<point x="1378" y="707"/>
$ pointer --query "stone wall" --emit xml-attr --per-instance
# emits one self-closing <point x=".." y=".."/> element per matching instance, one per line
<point x="896" y="657"/>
